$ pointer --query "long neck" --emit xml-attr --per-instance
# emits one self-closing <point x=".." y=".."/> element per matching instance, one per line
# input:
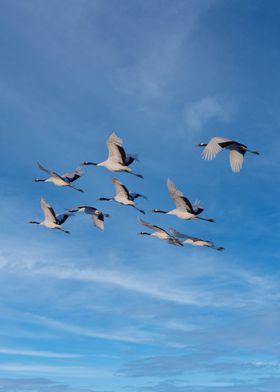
<point x="34" y="222"/>
<point x="253" y="152"/>
<point x="38" y="180"/>
<point x="105" y="199"/>
<point x="206" y="219"/>
<point x="89" y="163"/>
<point x="144" y="233"/>
<point x="160" y="211"/>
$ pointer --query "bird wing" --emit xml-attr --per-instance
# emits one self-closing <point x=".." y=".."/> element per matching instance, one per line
<point x="51" y="173"/>
<point x="135" y="195"/>
<point x="115" y="149"/>
<point x="130" y="158"/>
<point x="182" y="203"/>
<point x="98" y="220"/>
<point x="88" y="210"/>
<point x="236" y="159"/>
<point x="177" y="234"/>
<point x="61" y="218"/>
<point x="152" y="227"/>
<point x="74" y="175"/>
<point x="48" y="211"/>
<point x="214" y="147"/>
<point x="43" y="168"/>
<point x="121" y="190"/>
<point x="197" y="207"/>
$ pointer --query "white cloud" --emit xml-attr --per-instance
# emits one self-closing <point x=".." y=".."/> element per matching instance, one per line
<point x="33" y="353"/>
<point x="199" y="113"/>
<point x="126" y="335"/>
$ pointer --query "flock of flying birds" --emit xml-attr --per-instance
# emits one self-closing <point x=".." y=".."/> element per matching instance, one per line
<point x="119" y="161"/>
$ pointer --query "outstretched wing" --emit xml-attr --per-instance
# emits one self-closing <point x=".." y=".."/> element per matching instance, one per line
<point x="51" y="173"/>
<point x="121" y="190"/>
<point x="215" y="145"/>
<point x="43" y="168"/>
<point x="115" y="149"/>
<point x="61" y="218"/>
<point x="130" y="158"/>
<point x="182" y="203"/>
<point x="236" y="159"/>
<point x="74" y="175"/>
<point x="98" y="220"/>
<point x="134" y="195"/>
<point x="177" y="234"/>
<point x="197" y="207"/>
<point x="48" y="211"/>
<point x="152" y="227"/>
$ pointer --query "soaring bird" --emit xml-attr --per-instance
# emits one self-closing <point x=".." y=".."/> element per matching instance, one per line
<point x="64" y="180"/>
<point x="52" y="221"/>
<point x="236" y="155"/>
<point x="184" y="209"/>
<point x="195" y="241"/>
<point x="118" y="160"/>
<point x="123" y="196"/>
<point x="159" y="233"/>
<point x="96" y="215"/>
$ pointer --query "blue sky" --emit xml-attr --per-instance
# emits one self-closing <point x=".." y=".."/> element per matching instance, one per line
<point x="113" y="311"/>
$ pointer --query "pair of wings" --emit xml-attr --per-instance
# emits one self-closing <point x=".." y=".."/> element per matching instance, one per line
<point x="96" y="216"/>
<point x="236" y="155"/>
<point x="67" y="177"/>
<point x="117" y="152"/>
<point x="181" y="202"/>
<point x="50" y="215"/>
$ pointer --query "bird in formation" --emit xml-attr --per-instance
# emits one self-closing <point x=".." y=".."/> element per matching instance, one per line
<point x="123" y="196"/>
<point x="52" y="221"/>
<point x="195" y="241"/>
<point x="184" y="209"/>
<point x="97" y="216"/>
<point x="160" y="233"/>
<point x="236" y="155"/>
<point x="119" y="161"/>
<point x="64" y="180"/>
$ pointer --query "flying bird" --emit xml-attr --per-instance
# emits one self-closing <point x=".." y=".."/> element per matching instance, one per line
<point x="236" y="155"/>
<point x="97" y="216"/>
<point x="195" y="241"/>
<point x="159" y="233"/>
<point x="184" y="209"/>
<point x="64" y="180"/>
<point x="118" y="160"/>
<point x="123" y="196"/>
<point x="52" y="221"/>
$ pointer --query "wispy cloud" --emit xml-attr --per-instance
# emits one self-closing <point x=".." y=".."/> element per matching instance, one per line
<point x="198" y="114"/>
<point x="127" y="335"/>
<point x="37" y="384"/>
<point x="34" y="353"/>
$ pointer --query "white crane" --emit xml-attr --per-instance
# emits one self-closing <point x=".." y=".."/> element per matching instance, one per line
<point x="159" y="233"/>
<point x="195" y="241"/>
<point x="123" y="196"/>
<point x="236" y="155"/>
<point x="97" y="216"/>
<point x="184" y="208"/>
<point x="118" y="160"/>
<point x="64" y="180"/>
<point x="52" y="221"/>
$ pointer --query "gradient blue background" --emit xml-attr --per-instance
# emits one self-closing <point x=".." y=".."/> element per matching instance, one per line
<point x="112" y="311"/>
